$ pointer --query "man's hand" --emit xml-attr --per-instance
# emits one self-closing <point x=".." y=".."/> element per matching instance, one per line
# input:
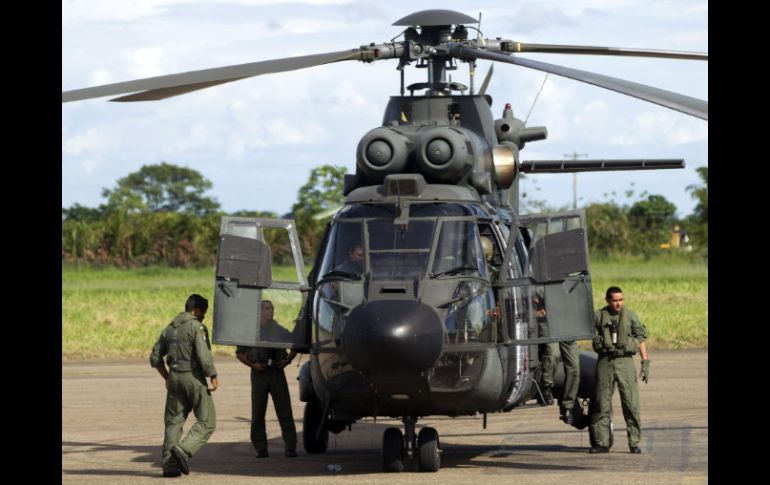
<point x="644" y="373"/>
<point x="597" y="343"/>
<point x="282" y="363"/>
<point x="258" y="367"/>
<point x="214" y="384"/>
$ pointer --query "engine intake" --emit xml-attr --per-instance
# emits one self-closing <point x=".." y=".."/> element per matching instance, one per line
<point x="444" y="155"/>
<point x="382" y="151"/>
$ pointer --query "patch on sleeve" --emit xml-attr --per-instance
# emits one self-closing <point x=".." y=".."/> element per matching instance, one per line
<point x="203" y="334"/>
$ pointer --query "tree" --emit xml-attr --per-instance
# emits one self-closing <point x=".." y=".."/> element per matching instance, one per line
<point x="79" y="212"/>
<point x="608" y="229"/>
<point x="701" y="194"/>
<point x="698" y="222"/>
<point x="651" y="220"/>
<point x="163" y="187"/>
<point x="322" y="192"/>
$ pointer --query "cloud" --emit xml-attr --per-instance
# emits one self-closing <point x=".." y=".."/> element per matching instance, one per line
<point x="93" y="140"/>
<point x="88" y="165"/>
<point x="284" y="124"/>
<point x="145" y="62"/>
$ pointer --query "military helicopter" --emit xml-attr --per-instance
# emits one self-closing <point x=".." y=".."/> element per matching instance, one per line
<point x="423" y="296"/>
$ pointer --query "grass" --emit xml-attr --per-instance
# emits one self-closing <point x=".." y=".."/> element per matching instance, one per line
<point x="669" y="294"/>
<point x="119" y="313"/>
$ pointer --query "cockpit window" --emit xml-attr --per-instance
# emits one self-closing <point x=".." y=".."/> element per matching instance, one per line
<point x="458" y="251"/>
<point x="399" y="252"/>
<point x="344" y="252"/>
<point x="384" y="235"/>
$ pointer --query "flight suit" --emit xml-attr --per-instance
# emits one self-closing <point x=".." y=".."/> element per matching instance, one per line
<point x="271" y="381"/>
<point x="570" y="356"/>
<point x="186" y="345"/>
<point x="616" y="365"/>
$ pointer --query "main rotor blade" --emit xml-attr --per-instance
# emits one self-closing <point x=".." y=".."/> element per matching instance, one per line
<point x="487" y="78"/>
<point x="679" y="102"/>
<point x="607" y="51"/>
<point x="161" y="87"/>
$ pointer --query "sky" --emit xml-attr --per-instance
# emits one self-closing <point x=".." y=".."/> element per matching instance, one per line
<point x="257" y="139"/>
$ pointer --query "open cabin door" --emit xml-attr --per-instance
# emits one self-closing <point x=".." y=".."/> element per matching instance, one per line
<point x="554" y="294"/>
<point x="244" y="272"/>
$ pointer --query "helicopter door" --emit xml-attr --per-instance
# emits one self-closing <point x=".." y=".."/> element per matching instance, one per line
<point x="244" y="272"/>
<point x="557" y="298"/>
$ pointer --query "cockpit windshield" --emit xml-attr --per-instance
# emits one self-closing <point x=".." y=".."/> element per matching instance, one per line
<point x="373" y="243"/>
<point x="458" y="250"/>
<point x="399" y="252"/>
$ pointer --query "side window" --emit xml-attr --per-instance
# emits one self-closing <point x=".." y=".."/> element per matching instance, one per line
<point x="244" y="279"/>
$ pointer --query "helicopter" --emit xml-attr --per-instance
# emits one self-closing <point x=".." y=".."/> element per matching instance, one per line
<point x="423" y="295"/>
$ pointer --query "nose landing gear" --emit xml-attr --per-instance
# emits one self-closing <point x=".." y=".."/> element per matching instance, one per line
<point x="398" y="447"/>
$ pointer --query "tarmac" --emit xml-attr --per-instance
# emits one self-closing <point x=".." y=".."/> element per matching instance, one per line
<point x="112" y="432"/>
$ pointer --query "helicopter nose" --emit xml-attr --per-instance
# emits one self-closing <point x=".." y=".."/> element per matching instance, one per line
<point x="392" y="334"/>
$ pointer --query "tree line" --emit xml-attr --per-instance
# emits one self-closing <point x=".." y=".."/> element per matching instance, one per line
<point x="161" y="215"/>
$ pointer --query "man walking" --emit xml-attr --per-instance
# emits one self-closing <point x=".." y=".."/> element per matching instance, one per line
<point x="186" y="346"/>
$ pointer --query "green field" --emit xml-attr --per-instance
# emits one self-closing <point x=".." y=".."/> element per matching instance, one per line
<point x="119" y="313"/>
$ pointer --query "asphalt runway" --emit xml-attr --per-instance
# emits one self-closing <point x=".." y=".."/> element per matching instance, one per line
<point x="112" y="431"/>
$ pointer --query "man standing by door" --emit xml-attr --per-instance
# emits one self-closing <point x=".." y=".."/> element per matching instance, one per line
<point x="268" y="377"/>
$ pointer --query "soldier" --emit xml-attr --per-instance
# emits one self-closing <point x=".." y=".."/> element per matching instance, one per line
<point x="570" y="357"/>
<point x="268" y="377"/>
<point x="185" y="344"/>
<point x="619" y="334"/>
<point x="355" y="262"/>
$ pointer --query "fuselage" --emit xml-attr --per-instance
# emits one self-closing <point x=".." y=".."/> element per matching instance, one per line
<point x="416" y="327"/>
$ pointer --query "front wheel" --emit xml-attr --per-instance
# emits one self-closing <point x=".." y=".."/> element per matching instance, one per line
<point x="393" y="450"/>
<point x="430" y="454"/>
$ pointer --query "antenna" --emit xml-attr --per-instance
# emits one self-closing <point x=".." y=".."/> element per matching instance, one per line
<point x="574" y="156"/>
<point x="472" y="63"/>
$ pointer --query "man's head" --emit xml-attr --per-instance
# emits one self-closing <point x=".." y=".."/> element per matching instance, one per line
<point x="489" y="248"/>
<point x="267" y="312"/>
<point x="356" y="253"/>
<point x="614" y="298"/>
<point x="197" y="305"/>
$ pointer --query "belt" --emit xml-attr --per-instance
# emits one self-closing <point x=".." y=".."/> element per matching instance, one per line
<point x="613" y="356"/>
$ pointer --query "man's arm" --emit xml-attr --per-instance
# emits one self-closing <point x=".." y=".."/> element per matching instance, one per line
<point x="159" y="351"/>
<point x="287" y="361"/>
<point x="162" y="370"/>
<point x="202" y="350"/>
<point x="640" y="332"/>
<point x="254" y="365"/>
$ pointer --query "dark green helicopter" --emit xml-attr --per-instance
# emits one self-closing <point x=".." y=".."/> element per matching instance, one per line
<point x="423" y="295"/>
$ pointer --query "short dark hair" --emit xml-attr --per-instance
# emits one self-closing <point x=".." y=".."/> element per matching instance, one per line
<point x="196" y="301"/>
<point x="611" y="290"/>
<point x="267" y="302"/>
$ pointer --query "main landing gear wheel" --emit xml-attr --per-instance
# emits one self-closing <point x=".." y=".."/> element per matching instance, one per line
<point x="311" y="420"/>
<point x="393" y="450"/>
<point x="430" y="454"/>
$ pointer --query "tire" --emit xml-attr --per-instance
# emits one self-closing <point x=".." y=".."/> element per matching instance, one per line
<point x="312" y="418"/>
<point x="393" y="450"/>
<point x="430" y="454"/>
